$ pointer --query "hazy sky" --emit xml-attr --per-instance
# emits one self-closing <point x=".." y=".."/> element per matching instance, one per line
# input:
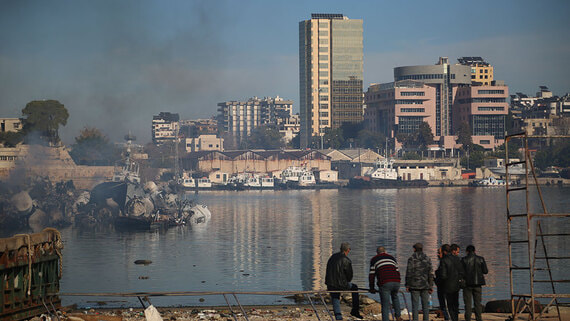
<point x="115" y="63"/>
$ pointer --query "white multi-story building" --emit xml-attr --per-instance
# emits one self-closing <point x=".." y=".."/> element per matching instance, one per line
<point x="239" y="118"/>
<point x="204" y="143"/>
<point x="165" y="127"/>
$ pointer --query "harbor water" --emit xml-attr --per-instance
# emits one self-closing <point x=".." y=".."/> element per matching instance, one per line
<point x="281" y="240"/>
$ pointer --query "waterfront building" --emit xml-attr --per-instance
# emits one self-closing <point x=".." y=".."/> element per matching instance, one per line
<point x="239" y="118"/>
<point x="204" y="143"/>
<point x="445" y="78"/>
<point x="399" y="107"/>
<point x="484" y="108"/>
<point x="443" y="96"/>
<point x="164" y="127"/>
<point x="481" y="71"/>
<point x="330" y="74"/>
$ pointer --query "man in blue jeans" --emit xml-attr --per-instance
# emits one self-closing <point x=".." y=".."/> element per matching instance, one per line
<point x="338" y="277"/>
<point x="385" y="268"/>
<point x="419" y="281"/>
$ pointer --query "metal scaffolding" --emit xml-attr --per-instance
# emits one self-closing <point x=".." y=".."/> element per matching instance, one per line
<point x="528" y="242"/>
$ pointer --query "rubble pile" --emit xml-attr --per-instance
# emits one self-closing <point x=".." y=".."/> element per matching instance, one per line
<point x="36" y="203"/>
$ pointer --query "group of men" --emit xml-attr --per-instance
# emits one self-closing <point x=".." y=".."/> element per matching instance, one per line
<point x="452" y="275"/>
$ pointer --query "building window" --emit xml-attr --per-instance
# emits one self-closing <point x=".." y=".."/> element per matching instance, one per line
<point x="485" y="142"/>
<point x="324" y="106"/>
<point x="412" y="93"/>
<point x="412" y="110"/>
<point x="323" y="57"/>
<point x="490" y="92"/>
<point x="323" y="49"/>
<point x="491" y="108"/>
<point x="323" y="73"/>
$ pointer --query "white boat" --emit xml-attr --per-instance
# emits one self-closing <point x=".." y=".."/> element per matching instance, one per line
<point x="203" y="183"/>
<point x="250" y="181"/>
<point x="267" y="182"/>
<point x="490" y="181"/>
<point x="383" y="169"/>
<point x="298" y="176"/>
<point x="188" y="182"/>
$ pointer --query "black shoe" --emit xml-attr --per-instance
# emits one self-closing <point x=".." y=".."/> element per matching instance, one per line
<point x="356" y="314"/>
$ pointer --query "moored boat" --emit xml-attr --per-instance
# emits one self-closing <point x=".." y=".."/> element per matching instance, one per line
<point x="384" y="175"/>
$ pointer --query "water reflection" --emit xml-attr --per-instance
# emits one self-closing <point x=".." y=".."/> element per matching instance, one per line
<point x="268" y="241"/>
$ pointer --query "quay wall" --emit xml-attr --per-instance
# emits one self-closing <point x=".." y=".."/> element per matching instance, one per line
<point x="25" y="161"/>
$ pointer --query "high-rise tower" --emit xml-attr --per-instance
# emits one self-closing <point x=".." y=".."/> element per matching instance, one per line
<point x="330" y="73"/>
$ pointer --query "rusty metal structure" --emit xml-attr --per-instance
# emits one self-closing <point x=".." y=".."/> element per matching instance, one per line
<point x="30" y="270"/>
<point x="532" y="238"/>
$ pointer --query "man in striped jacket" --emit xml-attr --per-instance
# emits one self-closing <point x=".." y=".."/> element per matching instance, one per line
<point x="385" y="268"/>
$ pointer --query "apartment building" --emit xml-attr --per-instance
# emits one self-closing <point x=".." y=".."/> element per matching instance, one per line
<point x="165" y="127"/>
<point x="481" y="71"/>
<point x="10" y="125"/>
<point x="330" y="73"/>
<point x="204" y="143"/>
<point x="239" y="118"/>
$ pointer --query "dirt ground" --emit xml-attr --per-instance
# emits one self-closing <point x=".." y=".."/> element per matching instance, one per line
<point x="273" y="313"/>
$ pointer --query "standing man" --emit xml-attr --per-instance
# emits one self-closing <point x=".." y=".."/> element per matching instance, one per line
<point x="385" y="268"/>
<point x="419" y="280"/>
<point x="475" y="268"/>
<point x="338" y="277"/>
<point x="451" y="272"/>
<point x="441" y="252"/>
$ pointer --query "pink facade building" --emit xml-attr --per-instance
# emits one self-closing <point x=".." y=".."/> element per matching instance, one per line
<point x="399" y="107"/>
<point x="484" y="109"/>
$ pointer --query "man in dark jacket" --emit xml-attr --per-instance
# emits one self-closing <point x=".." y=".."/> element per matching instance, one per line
<point x="385" y="268"/>
<point x="419" y="281"/>
<point x="441" y="252"/>
<point x="475" y="268"/>
<point x="451" y="272"/>
<point x="338" y="277"/>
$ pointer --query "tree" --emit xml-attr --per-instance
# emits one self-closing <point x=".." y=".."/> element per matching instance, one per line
<point x="370" y="139"/>
<point x="44" y="118"/>
<point x="473" y="160"/>
<point x="424" y="136"/>
<point x="93" y="148"/>
<point x="264" y="137"/>
<point x="464" y="136"/>
<point x="10" y="139"/>
<point x="333" y="138"/>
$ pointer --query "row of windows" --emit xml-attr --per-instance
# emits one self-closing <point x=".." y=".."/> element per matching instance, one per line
<point x="408" y="102"/>
<point x="482" y="100"/>
<point x="491" y="92"/>
<point x="409" y="124"/>
<point x="494" y="108"/>
<point x="8" y="158"/>
<point x="413" y="110"/>
<point x="426" y="76"/>
<point x="341" y="99"/>
<point x="347" y="90"/>
<point x="412" y="93"/>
